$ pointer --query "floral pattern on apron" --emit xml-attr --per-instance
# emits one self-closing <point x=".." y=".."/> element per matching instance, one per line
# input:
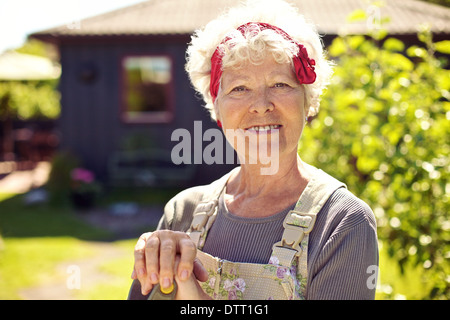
<point x="285" y="276"/>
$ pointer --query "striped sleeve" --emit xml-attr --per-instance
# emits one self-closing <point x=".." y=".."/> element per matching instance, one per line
<point x="344" y="267"/>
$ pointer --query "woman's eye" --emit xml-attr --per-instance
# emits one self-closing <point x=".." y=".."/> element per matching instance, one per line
<point x="238" y="89"/>
<point x="281" y="85"/>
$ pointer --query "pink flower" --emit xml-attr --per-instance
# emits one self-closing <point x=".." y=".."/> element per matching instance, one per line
<point x="82" y="175"/>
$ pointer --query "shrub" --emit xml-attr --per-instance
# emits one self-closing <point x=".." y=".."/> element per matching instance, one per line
<point x="59" y="181"/>
<point x="384" y="130"/>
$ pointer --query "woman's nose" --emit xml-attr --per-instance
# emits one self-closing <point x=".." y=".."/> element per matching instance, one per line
<point x="262" y="102"/>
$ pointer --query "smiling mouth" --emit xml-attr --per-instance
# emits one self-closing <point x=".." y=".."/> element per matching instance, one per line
<point x="264" y="129"/>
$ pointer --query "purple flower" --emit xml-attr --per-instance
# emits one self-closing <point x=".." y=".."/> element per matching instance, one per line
<point x="281" y="272"/>
<point x="293" y="271"/>
<point x="239" y="284"/>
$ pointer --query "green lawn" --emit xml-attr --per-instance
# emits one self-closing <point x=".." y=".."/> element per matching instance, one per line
<point x="25" y="262"/>
<point x="38" y="238"/>
<point x="119" y="270"/>
<point x="35" y="239"/>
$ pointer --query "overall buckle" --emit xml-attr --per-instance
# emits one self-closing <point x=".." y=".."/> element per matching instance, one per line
<point x="296" y="225"/>
<point x="202" y="213"/>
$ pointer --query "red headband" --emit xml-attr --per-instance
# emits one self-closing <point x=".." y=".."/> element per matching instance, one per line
<point x="304" y="66"/>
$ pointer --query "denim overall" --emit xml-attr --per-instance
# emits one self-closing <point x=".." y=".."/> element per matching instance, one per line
<point x="284" y="277"/>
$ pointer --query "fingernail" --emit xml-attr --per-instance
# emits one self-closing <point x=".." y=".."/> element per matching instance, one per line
<point x="133" y="274"/>
<point x="154" y="278"/>
<point x="184" y="275"/>
<point x="141" y="272"/>
<point x="167" y="290"/>
<point x="166" y="283"/>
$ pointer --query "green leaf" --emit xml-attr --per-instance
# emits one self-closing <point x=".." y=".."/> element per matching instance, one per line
<point x="356" y="41"/>
<point x="337" y="47"/>
<point x="393" y="44"/>
<point x="443" y="46"/>
<point x="415" y="51"/>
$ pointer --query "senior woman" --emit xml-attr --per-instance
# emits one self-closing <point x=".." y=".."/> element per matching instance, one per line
<point x="291" y="233"/>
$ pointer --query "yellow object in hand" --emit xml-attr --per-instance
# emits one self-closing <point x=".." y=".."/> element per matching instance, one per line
<point x="167" y="290"/>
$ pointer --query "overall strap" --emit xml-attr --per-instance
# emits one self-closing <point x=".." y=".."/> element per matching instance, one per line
<point x="206" y="211"/>
<point x="300" y="221"/>
<point x="204" y="215"/>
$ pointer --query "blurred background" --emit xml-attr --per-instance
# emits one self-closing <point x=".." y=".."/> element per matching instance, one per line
<point x="90" y="93"/>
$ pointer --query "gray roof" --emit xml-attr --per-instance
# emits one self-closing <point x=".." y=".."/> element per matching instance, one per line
<point x="163" y="17"/>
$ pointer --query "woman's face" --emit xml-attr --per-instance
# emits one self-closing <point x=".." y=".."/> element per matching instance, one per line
<point x="264" y="101"/>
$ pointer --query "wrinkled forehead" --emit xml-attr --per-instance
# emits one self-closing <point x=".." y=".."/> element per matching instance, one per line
<point x="247" y="73"/>
<point x="267" y="65"/>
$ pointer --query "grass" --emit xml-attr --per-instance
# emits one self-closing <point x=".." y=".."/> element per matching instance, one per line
<point x="20" y="220"/>
<point x="35" y="239"/>
<point x="38" y="238"/>
<point x="119" y="270"/>
<point x="26" y="262"/>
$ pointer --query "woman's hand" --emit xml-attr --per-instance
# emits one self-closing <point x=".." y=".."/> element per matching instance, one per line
<point x="189" y="289"/>
<point x="155" y="260"/>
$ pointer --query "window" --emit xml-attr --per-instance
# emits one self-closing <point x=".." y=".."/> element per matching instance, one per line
<point x="147" y="89"/>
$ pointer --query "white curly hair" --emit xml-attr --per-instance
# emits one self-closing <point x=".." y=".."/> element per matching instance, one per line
<point x="253" y="48"/>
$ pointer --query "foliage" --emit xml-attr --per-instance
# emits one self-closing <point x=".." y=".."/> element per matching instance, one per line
<point x="383" y="129"/>
<point x="30" y="99"/>
<point x="38" y="48"/>
<point x="59" y="182"/>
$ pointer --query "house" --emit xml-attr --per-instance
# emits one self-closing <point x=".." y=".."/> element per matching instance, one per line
<point x="124" y="88"/>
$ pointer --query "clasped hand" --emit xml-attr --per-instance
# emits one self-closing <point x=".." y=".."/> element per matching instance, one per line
<point x="165" y="256"/>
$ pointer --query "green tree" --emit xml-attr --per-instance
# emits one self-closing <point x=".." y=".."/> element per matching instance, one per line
<point x="27" y="99"/>
<point x="384" y="130"/>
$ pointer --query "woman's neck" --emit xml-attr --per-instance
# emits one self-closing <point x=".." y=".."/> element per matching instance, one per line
<point x="248" y="191"/>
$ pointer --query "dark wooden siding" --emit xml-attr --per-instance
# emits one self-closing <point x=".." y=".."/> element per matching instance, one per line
<point x="90" y="121"/>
